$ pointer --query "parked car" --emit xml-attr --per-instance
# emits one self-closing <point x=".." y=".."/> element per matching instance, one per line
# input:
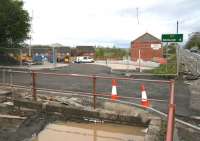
<point x="84" y="59"/>
<point x="194" y="49"/>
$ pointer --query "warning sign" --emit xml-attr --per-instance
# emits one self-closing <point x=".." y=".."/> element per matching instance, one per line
<point x="155" y="46"/>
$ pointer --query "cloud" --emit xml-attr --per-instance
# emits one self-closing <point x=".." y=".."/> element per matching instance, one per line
<point x="109" y="22"/>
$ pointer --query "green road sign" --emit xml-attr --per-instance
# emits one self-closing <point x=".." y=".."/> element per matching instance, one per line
<point x="172" y="37"/>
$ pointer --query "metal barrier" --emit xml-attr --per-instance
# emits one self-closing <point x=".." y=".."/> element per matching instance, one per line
<point x="140" y="67"/>
<point x="95" y="94"/>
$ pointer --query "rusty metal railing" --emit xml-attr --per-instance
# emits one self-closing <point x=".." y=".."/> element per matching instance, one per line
<point x="93" y="78"/>
<point x="171" y="113"/>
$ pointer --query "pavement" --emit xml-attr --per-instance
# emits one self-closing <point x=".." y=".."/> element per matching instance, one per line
<point x="128" y="65"/>
<point x="124" y="88"/>
<point x="37" y="67"/>
<point x="47" y="66"/>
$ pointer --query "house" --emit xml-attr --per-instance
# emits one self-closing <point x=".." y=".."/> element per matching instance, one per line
<point x="64" y="51"/>
<point x="146" y="47"/>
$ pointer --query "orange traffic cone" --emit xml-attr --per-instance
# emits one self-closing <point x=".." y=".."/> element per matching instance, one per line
<point x="114" y="95"/>
<point x="144" y="100"/>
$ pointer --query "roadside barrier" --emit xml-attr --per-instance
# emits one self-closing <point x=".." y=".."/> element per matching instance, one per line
<point x="114" y="96"/>
<point x="144" y="100"/>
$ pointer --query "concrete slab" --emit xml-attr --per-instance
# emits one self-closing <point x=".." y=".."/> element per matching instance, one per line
<point x="36" y="67"/>
<point x="5" y="92"/>
<point x="11" y="117"/>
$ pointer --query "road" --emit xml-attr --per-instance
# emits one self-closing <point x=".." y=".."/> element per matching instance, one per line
<point x="125" y="88"/>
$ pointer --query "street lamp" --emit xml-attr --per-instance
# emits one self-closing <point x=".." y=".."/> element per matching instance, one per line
<point x="55" y="45"/>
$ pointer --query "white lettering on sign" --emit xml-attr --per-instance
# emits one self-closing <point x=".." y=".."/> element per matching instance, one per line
<point x="156" y="46"/>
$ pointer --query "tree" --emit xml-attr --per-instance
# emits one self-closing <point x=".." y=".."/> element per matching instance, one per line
<point x="194" y="41"/>
<point x="14" y="23"/>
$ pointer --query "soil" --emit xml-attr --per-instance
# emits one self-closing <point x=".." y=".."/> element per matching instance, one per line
<point x="29" y="127"/>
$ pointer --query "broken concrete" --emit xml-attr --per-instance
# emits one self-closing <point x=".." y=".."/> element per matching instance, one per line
<point x="40" y="113"/>
<point x="79" y="113"/>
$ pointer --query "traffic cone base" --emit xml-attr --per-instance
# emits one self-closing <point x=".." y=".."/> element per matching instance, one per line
<point x="114" y="97"/>
<point x="145" y="103"/>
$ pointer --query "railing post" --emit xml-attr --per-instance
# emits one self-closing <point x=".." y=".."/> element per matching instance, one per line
<point x="3" y="76"/>
<point x="34" y="85"/>
<point x="94" y="92"/>
<point x="171" y="114"/>
<point x="197" y="66"/>
<point x="11" y="82"/>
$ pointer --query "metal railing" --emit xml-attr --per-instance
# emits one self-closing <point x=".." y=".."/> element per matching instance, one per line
<point x="94" y="94"/>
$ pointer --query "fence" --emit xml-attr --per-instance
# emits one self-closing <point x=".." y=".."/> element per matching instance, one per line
<point x="147" y="61"/>
<point x="164" y="64"/>
<point x="93" y="86"/>
<point x="20" y="56"/>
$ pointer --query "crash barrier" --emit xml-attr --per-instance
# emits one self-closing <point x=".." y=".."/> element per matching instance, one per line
<point x="113" y="94"/>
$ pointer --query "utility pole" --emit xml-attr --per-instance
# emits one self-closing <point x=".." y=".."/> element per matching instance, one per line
<point x="29" y="49"/>
<point x="177" y="52"/>
<point x="137" y="15"/>
<point x="177" y="28"/>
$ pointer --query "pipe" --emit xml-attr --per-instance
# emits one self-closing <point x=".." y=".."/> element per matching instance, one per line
<point x="171" y="114"/>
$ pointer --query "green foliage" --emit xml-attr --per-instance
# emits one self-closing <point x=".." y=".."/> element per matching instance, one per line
<point x="165" y="69"/>
<point x="116" y="53"/>
<point x="171" y="66"/>
<point x="14" y="23"/>
<point x="194" y="41"/>
<point x="172" y="49"/>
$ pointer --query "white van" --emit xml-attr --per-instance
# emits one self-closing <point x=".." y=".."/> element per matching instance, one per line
<point x="84" y="59"/>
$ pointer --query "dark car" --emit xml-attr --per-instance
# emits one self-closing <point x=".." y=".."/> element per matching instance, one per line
<point x="194" y="49"/>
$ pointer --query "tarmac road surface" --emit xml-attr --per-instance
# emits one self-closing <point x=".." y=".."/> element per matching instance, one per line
<point x="124" y="88"/>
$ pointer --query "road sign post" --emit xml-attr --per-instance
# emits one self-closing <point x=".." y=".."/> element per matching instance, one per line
<point x="173" y="38"/>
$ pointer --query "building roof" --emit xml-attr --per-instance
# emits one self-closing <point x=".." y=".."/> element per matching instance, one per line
<point x="147" y="38"/>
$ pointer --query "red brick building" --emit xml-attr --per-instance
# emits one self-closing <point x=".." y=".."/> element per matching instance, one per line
<point x="85" y="51"/>
<point x="147" y="47"/>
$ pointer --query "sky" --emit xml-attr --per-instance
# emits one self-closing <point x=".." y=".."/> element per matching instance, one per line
<point x="109" y="22"/>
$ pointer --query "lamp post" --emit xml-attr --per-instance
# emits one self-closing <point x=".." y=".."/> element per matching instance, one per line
<point x="54" y="52"/>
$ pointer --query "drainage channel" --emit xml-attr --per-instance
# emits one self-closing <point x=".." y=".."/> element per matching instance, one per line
<point x="72" y="118"/>
<point x="90" y="132"/>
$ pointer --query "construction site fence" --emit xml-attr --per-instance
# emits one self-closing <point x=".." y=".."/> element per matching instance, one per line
<point x="165" y="64"/>
<point x="33" y="78"/>
<point x="151" y="67"/>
